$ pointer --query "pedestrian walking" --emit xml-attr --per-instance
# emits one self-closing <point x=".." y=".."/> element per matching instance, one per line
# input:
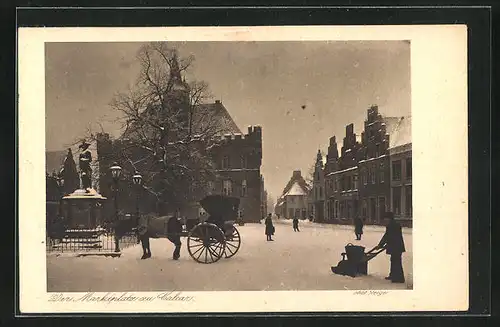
<point x="394" y="245"/>
<point x="269" y="227"/>
<point x="358" y="227"/>
<point x="296" y="224"/>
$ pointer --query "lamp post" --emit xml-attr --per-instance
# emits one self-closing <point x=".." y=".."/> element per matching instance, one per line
<point x="137" y="180"/>
<point x="116" y="172"/>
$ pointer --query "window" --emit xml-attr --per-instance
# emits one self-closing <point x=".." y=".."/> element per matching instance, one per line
<point x="330" y="184"/>
<point x="408" y="202"/>
<point x="396" y="200"/>
<point x="320" y="191"/>
<point x="290" y="213"/>
<point x="408" y="168"/>
<point x="336" y="209"/>
<point x="243" y="188"/>
<point x="348" y="182"/>
<point x="396" y="170"/>
<point x="382" y="173"/>
<point x="373" y="172"/>
<point x="243" y="162"/>
<point x="364" y="177"/>
<point x="227" y="187"/>
<point x="364" y="209"/>
<point x="292" y="198"/>
<point x="355" y="182"/>
<point x="304" y="213"/>
<point x="225" y="162"/>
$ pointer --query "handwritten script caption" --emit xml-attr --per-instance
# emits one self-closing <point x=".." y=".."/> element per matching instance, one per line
<point x="120" y="297"/>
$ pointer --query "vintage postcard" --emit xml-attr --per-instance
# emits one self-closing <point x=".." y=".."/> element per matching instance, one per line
<point x="243" y="169"/>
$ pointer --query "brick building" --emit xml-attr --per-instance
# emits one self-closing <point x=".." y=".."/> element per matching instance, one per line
<point x="237" y="159"/>
<point x="400" y="152"/>
<point x="371" y="176"/>
<point x="317" y="192"/>
<point x="342" y="178"/>
<point x="374" y="170"/>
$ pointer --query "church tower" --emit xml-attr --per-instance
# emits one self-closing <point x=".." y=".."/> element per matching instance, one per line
<point x="178" y="95"/>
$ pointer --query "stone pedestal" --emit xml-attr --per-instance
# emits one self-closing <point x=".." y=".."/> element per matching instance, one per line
<point x="82" y="209"/>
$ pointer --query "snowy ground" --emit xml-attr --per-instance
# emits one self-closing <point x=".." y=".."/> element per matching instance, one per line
<point x="294" y="261"/>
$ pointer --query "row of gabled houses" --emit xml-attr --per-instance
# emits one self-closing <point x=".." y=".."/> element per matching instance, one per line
<point x="371" y="175"/>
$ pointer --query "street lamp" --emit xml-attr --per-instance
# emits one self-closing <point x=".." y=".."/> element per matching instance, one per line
<point x="137" y="180"/>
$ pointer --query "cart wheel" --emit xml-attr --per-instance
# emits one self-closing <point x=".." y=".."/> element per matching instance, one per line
<point x="206" y="243"/>
<point x="233" y="242"/>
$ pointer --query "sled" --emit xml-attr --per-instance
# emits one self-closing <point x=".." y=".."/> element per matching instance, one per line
<point x="355" y="261"/>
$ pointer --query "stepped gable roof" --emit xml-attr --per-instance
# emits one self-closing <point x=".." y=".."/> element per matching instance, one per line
<point x="54" y="160"/>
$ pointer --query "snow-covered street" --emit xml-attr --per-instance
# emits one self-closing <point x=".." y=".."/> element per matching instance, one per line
<point x="294" y="261"/>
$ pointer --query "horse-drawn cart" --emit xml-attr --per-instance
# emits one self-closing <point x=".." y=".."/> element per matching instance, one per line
<point x="208" y="240"/>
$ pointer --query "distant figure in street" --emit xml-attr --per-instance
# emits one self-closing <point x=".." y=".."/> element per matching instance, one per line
<point x="296" y="224"/>
<point x="395" y="246"/>
<point x="269" y="227"/>
<point x="174" y="228"/>
<point x="358" y="227"/>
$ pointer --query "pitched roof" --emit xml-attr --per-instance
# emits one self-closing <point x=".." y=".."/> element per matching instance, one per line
<point x="219" y="116"/>
<point x="296" y="179"/>
<point x="212" y="116"/>
<point x="296" y="189"/>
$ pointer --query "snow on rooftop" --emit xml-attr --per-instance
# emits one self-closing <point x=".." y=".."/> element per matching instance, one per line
<point x="296" y="190"/>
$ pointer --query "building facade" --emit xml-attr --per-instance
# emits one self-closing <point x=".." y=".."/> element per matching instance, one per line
<point x="295" y="198"/>
<point x="373" y="176"/>
<point x="374" y="170"/>
<point x="342" y="179"/>
<point x="401" y="195"/>
<point x="317" y="192"/>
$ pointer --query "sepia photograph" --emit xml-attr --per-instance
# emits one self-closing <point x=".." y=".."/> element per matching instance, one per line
<point x="284" y="165"/>
<point x="234" y="166"/>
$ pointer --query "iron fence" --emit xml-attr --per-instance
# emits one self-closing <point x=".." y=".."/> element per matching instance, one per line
<point x="86" y="240"/>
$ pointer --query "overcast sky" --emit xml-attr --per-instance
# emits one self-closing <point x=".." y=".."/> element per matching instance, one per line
<point x="260" y="83"/>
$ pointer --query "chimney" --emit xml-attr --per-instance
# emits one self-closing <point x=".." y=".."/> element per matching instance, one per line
<point x="250" y="129"/>
<point x="296" y="174"/>
<point x="217" y="101"/>
<point x="349" y="129"/>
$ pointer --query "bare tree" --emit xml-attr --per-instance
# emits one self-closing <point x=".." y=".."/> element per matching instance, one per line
<point x="166" y="136"/>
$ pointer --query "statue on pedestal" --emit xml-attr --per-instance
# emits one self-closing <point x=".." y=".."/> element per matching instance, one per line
<point x="85" y="168"/>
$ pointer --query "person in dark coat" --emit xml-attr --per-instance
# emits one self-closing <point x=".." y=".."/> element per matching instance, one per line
<point x="269" y="227"/>
<point x="174" y="229"/>
<point x="394" y="246"/>
<point x="358" y="228"/>
<point x="296" y="224"/>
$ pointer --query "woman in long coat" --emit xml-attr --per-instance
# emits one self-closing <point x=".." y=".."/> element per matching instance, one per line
<point x="269" y="228"/>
